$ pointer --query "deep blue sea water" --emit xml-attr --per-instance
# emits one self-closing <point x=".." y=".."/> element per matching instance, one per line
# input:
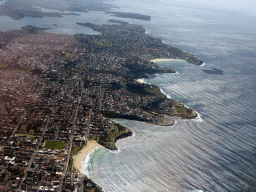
<point x="214" y="153"/>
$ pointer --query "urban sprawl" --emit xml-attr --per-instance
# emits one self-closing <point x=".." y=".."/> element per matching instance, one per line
<point x="59" y="91"/>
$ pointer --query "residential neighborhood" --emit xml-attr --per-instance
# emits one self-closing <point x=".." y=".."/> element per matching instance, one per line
<point x="59" y="91"/>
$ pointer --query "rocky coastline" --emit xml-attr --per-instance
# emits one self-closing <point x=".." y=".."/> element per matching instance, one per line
<point x="72" y="83"/>
<point x="121" y="136"/>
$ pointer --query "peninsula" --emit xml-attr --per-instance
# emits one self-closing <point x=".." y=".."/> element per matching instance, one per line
<point x="19" y="9"/>
<point x="58" y="92"/>
<point x="130" y="15"/>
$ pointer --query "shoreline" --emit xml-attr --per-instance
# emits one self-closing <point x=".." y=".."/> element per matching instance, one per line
<point x="169" y="121"/>
<point x="203" y="64"/>
<point x="164" y="59"/>
<point x="77" y="159"/>
<point x="139" y="81"/>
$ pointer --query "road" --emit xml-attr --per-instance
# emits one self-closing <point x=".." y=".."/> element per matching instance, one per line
<point x="33" y="156"/>
<point x="70" y="142"/>
<point x="16" y="128"/>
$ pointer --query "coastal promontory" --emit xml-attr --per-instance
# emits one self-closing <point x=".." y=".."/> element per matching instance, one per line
<point x="129" y="37"/>
<point x="60" y="91"/>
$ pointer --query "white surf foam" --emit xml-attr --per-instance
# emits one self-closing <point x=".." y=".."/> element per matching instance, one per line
<point x="168" y="96"/>
<point x="85" y="163"/>
<point x="203" y="64"/>
<point x="198" y="118"/>
<point x="141" y="80"/>
<point x="196" y="190"/>
<point x="175" y="122"/>
<point x="115" y="151"/>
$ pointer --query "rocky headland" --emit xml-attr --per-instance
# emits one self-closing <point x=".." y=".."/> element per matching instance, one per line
<point x="64" y="90"/>
<point x="129" y="37"/>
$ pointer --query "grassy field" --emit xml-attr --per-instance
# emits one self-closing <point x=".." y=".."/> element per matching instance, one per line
<point x="161" y="120"/>
<point x="68" y="55"/>
<point x="3" y="65"/>
<point x="53" y="145"/>
<point x="112" y="133"/>
<point x="155" y="91"/>
<point x="88" y="190"/>
<point x="138" y="89"/>
<point x="75" y="150"/>
<point x="70" y="164"/>
<point x="109" y="140"/>
<point x="22" y="68"/>
<point x="101" y="42"/>
<point x="24" y="135"/>
<point x="182" y="111"/>
<point x="23" y="128"/>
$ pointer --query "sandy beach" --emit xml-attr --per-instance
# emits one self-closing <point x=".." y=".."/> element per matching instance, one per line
<point x="139" y="81"/>
<point x="91" y="145"/>
<point x="164" y="59"/>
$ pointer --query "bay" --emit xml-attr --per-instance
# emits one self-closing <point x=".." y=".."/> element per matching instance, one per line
<point x="214" y="153"/>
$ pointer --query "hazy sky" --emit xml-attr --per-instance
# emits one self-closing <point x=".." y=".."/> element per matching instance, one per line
<point x="246" y="6"/>
<point x="241" y="5"/>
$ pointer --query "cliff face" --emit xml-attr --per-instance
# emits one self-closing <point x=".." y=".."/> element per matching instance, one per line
<point x="123" y="135"/>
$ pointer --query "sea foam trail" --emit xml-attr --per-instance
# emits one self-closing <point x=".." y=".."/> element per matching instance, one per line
<point x="115" y="151"/>
<point x="85" y="163"/>
<point x="168" y="96"/>
<point x="198" y="118"/>
<point x="141" y="80"/>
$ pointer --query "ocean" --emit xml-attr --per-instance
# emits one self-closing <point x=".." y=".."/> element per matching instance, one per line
<point x="215" y="152"/>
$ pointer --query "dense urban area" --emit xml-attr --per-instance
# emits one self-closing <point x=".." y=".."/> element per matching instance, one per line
<point x="59" y="91"/>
